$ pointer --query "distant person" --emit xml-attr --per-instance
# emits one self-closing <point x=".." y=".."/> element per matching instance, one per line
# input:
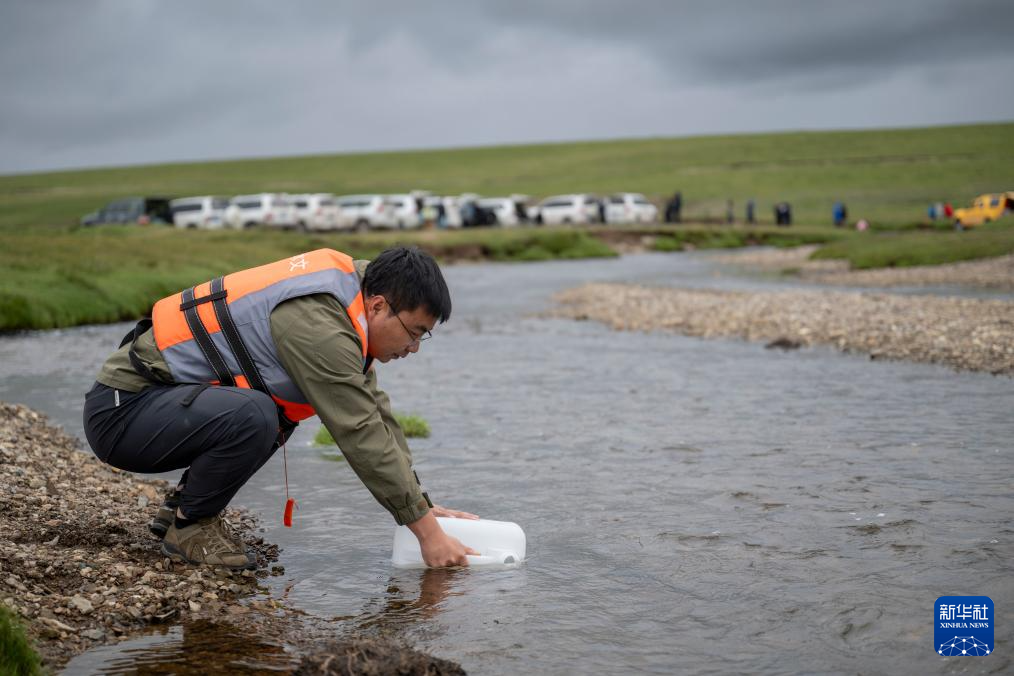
<point x="931" y="211"/>
<point x="838" y="214"/>
<point x="419" y="209"/>
<point x="602" y="210"/>
<point x="948" y="210"/>
<point x="520" y="211"/>
<point x="730" y="211"/>
<point x="468" y="214"/>
<point x="441" y="215"/>
<point x="750" y="216"/>
<point x="783" y="213"/>
<point x="429" y="215"/>
<point x="673" y="207"/>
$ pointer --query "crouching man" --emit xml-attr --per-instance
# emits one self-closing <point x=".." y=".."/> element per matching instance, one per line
<point x="222" y="373"/>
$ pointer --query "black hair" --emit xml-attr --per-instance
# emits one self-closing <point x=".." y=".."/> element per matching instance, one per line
<point x="408" y="278"/>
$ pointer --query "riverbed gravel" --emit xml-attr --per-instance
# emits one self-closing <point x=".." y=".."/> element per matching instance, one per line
<point x="988" y="273"/>
<point x="80" y="568"/>
<point x="964" y="333"/>
<point x="77" y="562"/>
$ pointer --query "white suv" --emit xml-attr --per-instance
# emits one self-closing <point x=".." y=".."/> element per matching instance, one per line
<point x="363" y="211"/>
<point x="569" y="209"/>
<point x="404" y="210"/>
<point x="199" y="212"/>
<point x="270" y="209"/>
<point x="448" y="210"/>
<point x="630" y="207"/>
<point x="317" y="211"/>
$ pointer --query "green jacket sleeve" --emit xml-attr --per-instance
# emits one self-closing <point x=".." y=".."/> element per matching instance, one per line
<point x="384" y="406"/>
<point x="322" y="354"/>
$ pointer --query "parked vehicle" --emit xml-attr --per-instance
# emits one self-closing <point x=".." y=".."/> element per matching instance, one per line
<point x="317" y="211"/>
<point x="361" y="212"/>
<point x="140" y="210"/>
<point x="268" y="209"/>
<point x="630" y="207"/>
<point x="984" y="209"/>
<point x="405" y="210"/>
<point x="569" y="209"/>
<point x="510" y="211"/>
<point x="448" y="210"/>
<point x="199" y="212"/>
<point x="473" y="214"/>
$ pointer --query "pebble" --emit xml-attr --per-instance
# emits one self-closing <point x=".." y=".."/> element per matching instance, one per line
<point x="82" y="604"/>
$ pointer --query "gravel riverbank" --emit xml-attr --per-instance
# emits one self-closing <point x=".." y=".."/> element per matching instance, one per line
<point x="80" y="568"/>
<point x="969" y="334"/>
<point x="988" y="273"/>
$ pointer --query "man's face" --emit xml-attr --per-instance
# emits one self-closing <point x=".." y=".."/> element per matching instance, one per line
<point x="393" y="336"/>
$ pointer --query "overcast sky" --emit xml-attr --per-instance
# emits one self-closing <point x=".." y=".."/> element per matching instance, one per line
<point x="93" y="83"/>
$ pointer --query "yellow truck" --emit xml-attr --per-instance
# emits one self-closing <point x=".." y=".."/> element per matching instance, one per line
<point x="984" y="209"/>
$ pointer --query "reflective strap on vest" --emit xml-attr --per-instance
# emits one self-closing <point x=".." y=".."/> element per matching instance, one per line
<point x="231" y="333"/>
<point x="239" y="350"/>
<point x="203" y="339"/>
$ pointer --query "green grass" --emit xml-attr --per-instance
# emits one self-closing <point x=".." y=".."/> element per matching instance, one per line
<point x="903" y="249"/>
<point x="727" y="237"/>
<point x="55" y="279"/>
<point x="17" y="657"/>
<point x="56" y="274"/>
<point x="885" y="176"/>
<point x="413" y="426"/>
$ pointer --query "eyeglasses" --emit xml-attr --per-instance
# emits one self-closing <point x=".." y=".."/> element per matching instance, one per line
<point x="426" y="335"/>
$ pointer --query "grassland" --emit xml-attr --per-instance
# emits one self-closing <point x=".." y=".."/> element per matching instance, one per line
<point x="57" y="274"/>
<point x="904" y="249"/>
<point x="887" y="177"/>
<point x="111" y="273"/>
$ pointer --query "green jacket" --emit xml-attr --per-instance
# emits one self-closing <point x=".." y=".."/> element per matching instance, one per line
<point x="322" y="354"/>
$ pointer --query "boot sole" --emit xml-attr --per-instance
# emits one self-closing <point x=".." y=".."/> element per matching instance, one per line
<point x="179" y="557"/>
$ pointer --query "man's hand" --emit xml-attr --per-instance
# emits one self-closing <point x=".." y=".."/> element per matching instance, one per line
<point x="437" y="510"/>
<point x="438" y="548"/>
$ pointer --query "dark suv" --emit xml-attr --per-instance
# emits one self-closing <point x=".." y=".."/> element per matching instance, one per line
<point x="132" y="210"/>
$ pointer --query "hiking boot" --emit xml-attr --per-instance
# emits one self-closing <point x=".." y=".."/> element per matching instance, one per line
<point x="164" y="517"/>
<point x="209" y="541"/>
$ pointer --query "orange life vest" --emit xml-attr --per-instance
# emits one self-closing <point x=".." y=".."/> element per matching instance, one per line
<point x="219" y="332"/>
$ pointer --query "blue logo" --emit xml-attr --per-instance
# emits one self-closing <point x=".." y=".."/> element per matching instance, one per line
<point x="963" y="626"/>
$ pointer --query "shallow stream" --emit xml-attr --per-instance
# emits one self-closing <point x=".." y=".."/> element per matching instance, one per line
<point x="697" y="506"/>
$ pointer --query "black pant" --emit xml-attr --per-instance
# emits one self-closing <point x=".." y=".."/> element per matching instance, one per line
<point x="221" y="435"/>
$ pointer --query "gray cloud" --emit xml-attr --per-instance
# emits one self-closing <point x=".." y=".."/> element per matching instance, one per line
<point x="136" y="81"/>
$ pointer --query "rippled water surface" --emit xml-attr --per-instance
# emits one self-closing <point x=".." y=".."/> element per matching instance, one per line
<point x="690" y="505"/>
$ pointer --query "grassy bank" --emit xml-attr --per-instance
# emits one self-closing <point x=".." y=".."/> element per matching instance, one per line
<point x="885" y="176"/>
<point x="865" y="251"/>
<point x="56" y="279"/>
<point x="711" y="237"/>
<point x="17" y="657"/>
<point x="414" y="427"/>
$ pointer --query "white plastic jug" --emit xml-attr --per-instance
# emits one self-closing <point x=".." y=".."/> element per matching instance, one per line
<point x="499" y="543"/>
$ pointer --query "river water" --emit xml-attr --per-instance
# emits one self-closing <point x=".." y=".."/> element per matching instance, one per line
<point x="698" y="506"/>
